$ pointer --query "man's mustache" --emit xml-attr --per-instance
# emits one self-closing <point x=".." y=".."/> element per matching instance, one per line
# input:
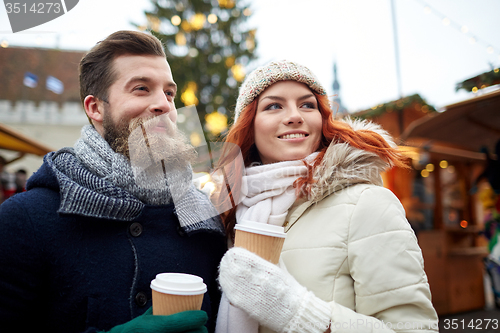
<point x="148" y="125"/>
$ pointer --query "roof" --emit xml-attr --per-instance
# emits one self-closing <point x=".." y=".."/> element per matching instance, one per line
<point x="15" y="62"/>
<point x="471" y="124"/>
<point x="11" y="139"/>
<point x="413" y="101"/>
<point x="480" y="81"/>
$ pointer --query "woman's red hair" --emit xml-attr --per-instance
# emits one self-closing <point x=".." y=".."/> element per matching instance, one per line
<point x="241" y="138"/>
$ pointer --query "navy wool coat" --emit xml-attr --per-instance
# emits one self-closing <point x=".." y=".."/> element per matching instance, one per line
<point x="71" y="273"/>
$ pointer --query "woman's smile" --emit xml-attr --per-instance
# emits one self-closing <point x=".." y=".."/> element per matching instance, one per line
<point x="288" y="123"/>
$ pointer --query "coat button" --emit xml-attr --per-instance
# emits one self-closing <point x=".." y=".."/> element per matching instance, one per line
<point x="135" y="229"/>
<point x="141" y="299"/>
<point x="181" y="232"/>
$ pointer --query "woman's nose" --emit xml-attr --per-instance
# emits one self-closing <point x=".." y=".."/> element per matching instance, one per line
<point x="293" y="116"/>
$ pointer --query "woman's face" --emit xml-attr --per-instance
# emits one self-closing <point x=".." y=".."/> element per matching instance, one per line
<point x="288" y="124"/>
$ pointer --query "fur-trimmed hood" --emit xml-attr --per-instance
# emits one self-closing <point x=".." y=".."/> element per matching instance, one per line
<point x="344" y="165"/>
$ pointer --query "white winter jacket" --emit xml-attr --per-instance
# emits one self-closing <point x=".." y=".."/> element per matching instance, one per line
<point x="351" y="245"/>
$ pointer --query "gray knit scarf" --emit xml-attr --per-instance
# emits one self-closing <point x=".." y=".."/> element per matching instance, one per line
<point x="128" y="198"/>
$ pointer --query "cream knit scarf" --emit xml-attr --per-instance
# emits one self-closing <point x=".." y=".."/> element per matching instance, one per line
<point x="269" y="194"/>
<point x="268" y="191"/>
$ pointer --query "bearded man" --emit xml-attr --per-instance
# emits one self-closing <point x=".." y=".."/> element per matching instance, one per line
<point x="100" y="220"/>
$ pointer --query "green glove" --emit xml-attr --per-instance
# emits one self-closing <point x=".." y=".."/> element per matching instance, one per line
<point x="182" y="322"/>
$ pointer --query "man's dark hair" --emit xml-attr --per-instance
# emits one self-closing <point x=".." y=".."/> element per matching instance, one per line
<point x="96" y="70"/>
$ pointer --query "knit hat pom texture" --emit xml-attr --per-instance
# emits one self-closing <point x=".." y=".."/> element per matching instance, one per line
<point x="265" y="76"/>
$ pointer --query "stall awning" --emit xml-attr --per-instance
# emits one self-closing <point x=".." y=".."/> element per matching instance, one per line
<point x="470" y="124"/>
<point x="11" y="139"/>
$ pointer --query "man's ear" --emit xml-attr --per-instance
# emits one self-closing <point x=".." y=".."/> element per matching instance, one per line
<point x="94" y="108"/>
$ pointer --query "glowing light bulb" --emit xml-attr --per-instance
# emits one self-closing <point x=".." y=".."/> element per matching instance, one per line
<point x="176" y="20"/>
<point x="446" y="21"/>
<point x="195" y="139"/>
<point x="472" y="40"/>
<point x="180" y="39"/>
<point x="474" y="90"/>
<point x="427" y="10"/>
<point x="188" y="97"/>
<point x="490" y="49"/>
<point x="4" y="44"/>
<point x="197" y="21"/>
<point x="216" y="122"/>
<point x="212" y="18"/>
<point x="443" y="164"/>
<point x="238" y="72"/>
<point x="464" y="29"/>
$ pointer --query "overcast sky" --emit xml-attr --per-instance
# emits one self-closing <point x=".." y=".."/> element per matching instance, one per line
<point x="357" y="34"/>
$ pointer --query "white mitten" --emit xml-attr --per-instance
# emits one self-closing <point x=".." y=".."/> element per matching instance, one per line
<point x="270" y="295"/>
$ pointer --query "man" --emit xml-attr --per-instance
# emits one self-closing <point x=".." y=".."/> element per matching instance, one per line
<point x="100" y="220"/>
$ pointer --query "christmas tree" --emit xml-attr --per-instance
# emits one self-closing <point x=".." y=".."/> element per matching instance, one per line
<point x="208" y="45"/>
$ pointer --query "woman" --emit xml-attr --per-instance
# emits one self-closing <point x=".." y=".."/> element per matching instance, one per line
<point x="350" y="261"/>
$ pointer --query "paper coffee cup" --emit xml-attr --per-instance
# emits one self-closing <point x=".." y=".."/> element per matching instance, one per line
<point x="265" y="240"/>
<point x="177" y="292"/>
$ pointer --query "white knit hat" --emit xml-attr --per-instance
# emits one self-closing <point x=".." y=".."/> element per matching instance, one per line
<point x="263" y="77"/>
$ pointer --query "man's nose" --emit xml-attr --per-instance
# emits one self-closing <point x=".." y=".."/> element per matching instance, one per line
<point x="160" y="103"/>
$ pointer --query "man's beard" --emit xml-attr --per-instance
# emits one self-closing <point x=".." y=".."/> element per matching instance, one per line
<point x="143" y="145"/>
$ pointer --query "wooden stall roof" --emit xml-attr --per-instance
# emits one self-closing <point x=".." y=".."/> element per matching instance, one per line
<point x="470" y="124"/>
<point x="11" y="139"/>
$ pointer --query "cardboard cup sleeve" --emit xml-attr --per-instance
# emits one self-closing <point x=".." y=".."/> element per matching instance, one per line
<point x="177" y="292"/>
<point x="265" y="240"/>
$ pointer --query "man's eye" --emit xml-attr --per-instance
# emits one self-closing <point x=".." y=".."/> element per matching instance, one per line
<point x="170" y="93"/>
<point x="142" y="88"/>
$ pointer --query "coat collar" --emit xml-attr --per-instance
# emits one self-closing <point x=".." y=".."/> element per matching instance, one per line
<point x="343" y="166"/>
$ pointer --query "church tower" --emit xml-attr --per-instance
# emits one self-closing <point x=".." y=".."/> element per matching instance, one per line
<point x="341" y="110"/>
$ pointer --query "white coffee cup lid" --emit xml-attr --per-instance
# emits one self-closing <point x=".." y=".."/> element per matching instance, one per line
<point x="261" y="228"/>
<point x="178" y="284"/>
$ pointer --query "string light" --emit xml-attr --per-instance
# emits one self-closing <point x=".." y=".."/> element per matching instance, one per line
<point x="4" y="44"/>
<point x="176" y="20"/>
<point x="195" y="139"/>
<point x="188" y="96"/>
<point x="212" y="18"/>
<point x="216" y="122"/>
<point x="463" y="28"/>
<point x="197" y="21"/>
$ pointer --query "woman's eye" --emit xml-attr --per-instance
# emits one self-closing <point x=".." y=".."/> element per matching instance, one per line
<point x="309" y="105"/>
<point x="274" y="106"/>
